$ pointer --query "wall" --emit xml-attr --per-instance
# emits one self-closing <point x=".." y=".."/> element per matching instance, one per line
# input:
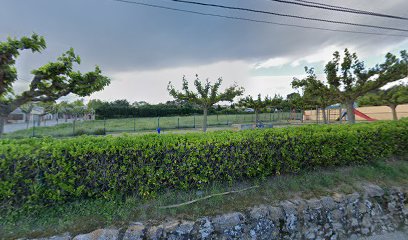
<point x="339" y="217"/>
<point x="376" y="112"/>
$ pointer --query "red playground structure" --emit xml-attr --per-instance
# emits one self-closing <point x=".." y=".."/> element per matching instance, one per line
<point x="362" y="115"/>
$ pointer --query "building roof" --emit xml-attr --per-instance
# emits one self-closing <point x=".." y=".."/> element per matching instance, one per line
<point x="17" y="111"/>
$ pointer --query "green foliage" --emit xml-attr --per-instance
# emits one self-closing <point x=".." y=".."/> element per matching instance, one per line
<point x="315" y="92"/>
<point x="348" y="79"/>
<point x="393" y="96"/>
<point x="99" y="131"/>
<point x="257" y="104"/>
<point x="206" y="96"/>
<point x="10" y="49"/>
<point x="122" y="109"/>
<point x="48" y="171"/>
<point x="80" y="132"/>
<point x="50" y="82"/>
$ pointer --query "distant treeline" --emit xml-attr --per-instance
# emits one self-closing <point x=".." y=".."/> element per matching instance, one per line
<point x="123" y="109"/>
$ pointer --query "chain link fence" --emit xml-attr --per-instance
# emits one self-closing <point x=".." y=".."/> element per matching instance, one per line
<point x="70" y="127"/>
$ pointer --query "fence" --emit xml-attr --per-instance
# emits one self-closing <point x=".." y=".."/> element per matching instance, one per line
<point x="61" y="128"/>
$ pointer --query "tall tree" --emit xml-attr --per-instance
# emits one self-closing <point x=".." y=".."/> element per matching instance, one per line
<point x="206" y="96"/>
<point x="315" y="92"/>
<point x="50" y="82"/>
<point x="257" y="104"/>
<point x="277" y="102"/>
<point x="349" y="79"/>
<point x="391" y="97"/>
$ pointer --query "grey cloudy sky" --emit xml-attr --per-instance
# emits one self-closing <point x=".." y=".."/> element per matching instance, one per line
<point x="143" y="48"/>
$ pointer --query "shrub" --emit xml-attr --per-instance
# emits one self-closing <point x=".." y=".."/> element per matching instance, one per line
<point x="99" y="131"/>
<point x="47" y="171"/>
<point x="80" y="132"/>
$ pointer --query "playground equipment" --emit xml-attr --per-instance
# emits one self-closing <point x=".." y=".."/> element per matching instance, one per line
<point x="357" y="113"/>
<point x="362" y="115"/>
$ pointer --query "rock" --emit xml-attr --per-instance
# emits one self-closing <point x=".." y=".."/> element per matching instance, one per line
<point x="228" y="220"/>
<point x="354" y="222"/>
<point x="328" y="203"/>
<point x="100" y="234"/>
<point x="229" y="225"/>
<point x="135" y="231"/>
<point x="203" y="229"/>
<point x="353" y="217"/>
<point x="372" y="190"/>
<point x="155" y="232"/>
<point x="365" y="231"/>
<point x="352" y="198"/>
<point x="314" y="204"/>
<point x="260" y="212"/>
<point x="185" y="228"/>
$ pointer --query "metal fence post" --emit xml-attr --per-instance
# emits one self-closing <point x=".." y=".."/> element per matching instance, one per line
<point x="134" y="124"/>
<point x="73" y="128"/>
<point x="194" y="126"/>
<point x="178" y="122"/>
<point x="104" y="125"/>
<point x="33" y="127"/>
<point x="227" y="119"/>
<point x="158" y="122"/>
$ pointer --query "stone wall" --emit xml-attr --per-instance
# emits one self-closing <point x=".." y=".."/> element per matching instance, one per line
<point x="339" y="217"/>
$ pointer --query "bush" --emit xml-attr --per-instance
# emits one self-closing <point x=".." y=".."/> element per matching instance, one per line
<point x="99" y="131"/>
<point x="47" y="171"/>
<point x="80" y="132"/>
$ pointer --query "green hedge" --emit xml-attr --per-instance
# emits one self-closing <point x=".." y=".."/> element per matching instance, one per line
<point x="48" y="171"/>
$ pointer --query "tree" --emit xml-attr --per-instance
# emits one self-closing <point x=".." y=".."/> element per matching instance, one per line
<point x="50" y="82"/>
<point x="95" y="103"/>
<point x="349" y="79"/>
<point x="391" y="97"/>
<point x="277" y="102"/>
<point x="206" y="96"/>
<point x="315" y="92"/>
<point x="78" y="108"/>
<point x="257" y="104"/>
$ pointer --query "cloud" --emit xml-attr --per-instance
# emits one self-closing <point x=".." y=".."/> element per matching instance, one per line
<point x="272" y="62"/>
<point x="143" y="48"/>
<point x="151" y="85"/>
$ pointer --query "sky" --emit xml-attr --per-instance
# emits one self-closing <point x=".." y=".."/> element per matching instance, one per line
<point x="142" y="48"/>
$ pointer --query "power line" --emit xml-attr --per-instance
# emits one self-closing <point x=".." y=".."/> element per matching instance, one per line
<point x="255" y="20"/>
<point x="338" y="9"/>
<point x="333" y="6"/>
<point x="288" y="15"/>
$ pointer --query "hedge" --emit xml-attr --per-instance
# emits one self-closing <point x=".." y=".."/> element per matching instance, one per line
<point x="41" y="172"/>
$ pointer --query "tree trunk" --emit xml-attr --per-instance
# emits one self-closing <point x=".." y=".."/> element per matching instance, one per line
<point x="324" y="115"/>
<point x="394" y="111"/>
<point x="2" y="123"/>
<point x="205" y="119"/>
<point x="256" y="116"/>
<point x="350" y="112"/>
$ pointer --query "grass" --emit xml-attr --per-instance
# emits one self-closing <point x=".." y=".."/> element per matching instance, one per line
<point x="88" y="215"/>
<point x="146" y="124"/>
